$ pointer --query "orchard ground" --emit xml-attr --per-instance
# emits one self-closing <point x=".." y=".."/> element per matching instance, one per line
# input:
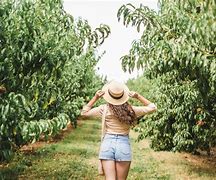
<point x="73" y="155"/>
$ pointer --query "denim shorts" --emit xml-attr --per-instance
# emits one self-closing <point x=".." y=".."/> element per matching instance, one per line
<point x="115" y="147"/>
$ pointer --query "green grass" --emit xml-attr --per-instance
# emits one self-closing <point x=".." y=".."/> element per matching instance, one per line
<point x="75" y="157"/>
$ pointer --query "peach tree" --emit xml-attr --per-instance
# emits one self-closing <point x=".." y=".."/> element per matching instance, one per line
<point x="177" y="51"/>
<point x="47" y="62"/>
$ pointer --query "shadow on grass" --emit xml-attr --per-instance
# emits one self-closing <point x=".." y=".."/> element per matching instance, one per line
<point x="21" y="162"/>
<point x="63" y="160"/>
<point x="202" y="171"/>
<point x="48" y="163"/>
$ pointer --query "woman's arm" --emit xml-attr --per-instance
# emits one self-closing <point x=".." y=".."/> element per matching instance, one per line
<point x="87" y="110"/>
<point x="148" y="107"/>
<point x="97" y="96"/>
<point x="139" y="97"/>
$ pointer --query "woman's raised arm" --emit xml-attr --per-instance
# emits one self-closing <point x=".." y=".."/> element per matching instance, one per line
<point x="148" y="107"/>
<point x="88" y="111"/>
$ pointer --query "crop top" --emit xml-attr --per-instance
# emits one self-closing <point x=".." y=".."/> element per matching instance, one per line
<point x="113" y="125"/>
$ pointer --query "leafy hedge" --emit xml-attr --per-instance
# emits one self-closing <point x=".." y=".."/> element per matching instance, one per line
<point x="177" y="51"/>
<point x="46" y="69"/>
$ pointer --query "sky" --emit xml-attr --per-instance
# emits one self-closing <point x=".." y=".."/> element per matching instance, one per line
<point x="119" y="41"/>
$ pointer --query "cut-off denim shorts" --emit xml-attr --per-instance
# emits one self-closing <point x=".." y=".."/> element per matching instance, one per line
<point x="115" y="147"/>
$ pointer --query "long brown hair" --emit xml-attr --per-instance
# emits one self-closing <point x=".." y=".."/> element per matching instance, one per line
<point x="124" y="113"/>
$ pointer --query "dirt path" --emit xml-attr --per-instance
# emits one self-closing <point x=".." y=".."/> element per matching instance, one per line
<point x="75" y="157"/>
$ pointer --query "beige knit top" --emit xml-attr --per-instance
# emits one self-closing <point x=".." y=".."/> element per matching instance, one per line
<point x="113" y="125"/>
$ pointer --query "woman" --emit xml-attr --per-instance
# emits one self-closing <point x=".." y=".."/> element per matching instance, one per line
<point x="115" y="150"/>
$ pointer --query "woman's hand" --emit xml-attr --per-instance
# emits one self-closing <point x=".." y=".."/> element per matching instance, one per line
<point x="139" y="97"/>
<point x="99" y="94"/>
<point x="133" y="94"/>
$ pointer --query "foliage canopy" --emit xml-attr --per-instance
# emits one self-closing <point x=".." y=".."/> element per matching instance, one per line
<point x="47" y="65"/>
<point x="178" y="50"/>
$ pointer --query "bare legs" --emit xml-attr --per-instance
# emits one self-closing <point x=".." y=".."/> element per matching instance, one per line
<point x="109" y="169"/>
<point x="116" y="170"/>
<point x="122" y="169"/>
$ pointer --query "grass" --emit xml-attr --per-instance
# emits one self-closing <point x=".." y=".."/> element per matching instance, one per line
<point x="75" y="157"/>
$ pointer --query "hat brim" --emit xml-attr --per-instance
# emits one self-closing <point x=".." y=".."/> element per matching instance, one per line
<point x="113" y="101"/>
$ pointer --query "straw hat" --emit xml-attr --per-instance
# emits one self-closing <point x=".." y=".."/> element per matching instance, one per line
<point x="115" y="93"/>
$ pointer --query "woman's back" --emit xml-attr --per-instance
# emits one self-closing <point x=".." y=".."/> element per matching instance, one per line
<point x="112" y="123"/>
